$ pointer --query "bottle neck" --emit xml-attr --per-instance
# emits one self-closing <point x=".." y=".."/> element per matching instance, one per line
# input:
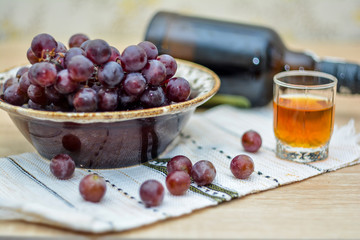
<point x="347" y="73"/>
<point x="298" y="61"/>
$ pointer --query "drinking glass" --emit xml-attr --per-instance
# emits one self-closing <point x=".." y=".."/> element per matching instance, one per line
<point x="304" y="105"/>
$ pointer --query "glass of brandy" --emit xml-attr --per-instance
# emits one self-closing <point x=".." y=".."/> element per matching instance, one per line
<point x="304" y="105"/>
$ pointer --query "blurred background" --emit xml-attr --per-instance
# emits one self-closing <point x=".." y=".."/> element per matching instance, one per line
<point x="123" y="22"/>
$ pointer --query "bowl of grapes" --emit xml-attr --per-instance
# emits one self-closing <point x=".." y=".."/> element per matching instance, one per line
<point x="104" y="107"/>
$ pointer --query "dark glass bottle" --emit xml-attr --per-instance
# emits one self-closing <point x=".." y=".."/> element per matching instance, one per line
<point x="245" y="57"/>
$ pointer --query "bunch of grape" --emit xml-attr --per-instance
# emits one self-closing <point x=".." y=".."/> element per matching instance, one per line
<point x="94" y="76"/>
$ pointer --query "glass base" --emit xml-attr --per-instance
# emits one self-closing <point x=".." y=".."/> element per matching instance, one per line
<point x="302" y="155"/>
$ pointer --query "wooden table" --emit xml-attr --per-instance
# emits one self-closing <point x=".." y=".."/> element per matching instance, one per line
<point x="326" y="206"/>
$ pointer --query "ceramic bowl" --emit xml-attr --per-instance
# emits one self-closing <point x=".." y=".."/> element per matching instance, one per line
<point x="112" y="139"/>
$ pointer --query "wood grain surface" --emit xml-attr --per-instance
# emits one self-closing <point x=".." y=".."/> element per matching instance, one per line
<point x="325" y="206"/>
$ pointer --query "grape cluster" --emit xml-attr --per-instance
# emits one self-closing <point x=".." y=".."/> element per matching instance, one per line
<point x="93" y="76"/>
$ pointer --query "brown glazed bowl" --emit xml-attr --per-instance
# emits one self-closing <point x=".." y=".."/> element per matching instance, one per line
<point x="112" y="139"/>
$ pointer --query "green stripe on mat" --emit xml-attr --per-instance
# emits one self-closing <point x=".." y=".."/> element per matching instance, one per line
<point x="194" y="189"/>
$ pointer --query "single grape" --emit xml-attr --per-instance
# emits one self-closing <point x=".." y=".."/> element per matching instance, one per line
<point x="152" y="193"/>
<point x="110" y="74"/>
<point x="71" y="53"/>
<point x="37" y="94"/>
<point x="134" y="84"/>
<point x="115" y="54"/>
<point x="64" y="84"/>
<point x="153" y="97"/>
<point x="85" y="100"/>
<point x="178" y="182"/>
<point x="133" y="58"/>
<point x="154" y="72"/>
<point x="21" y="71"/>
<point x="203" y="172"/>
<point x="150" y="49"/>
<point x="59" y="61"/>
<point x="31" y="56"/>
<point x="14" y="95"/>
<point x="70" y="99"/>
<point x="80" y="68"/>
<point x="77" y="39"/>
<point x="83" y="46"/>
<point x="97" y="86"/>
<point x="62" y="166"/>
<point x="126" y="100"/>
<point x="61" y="48"/>
<point x="178" y="89"/>
<point x="35" y="106"/>
<point x="242" y="166"/>
<point x="53" y="95"/>
<point x="43" y="43"/>
<point x="8" y="82"/>
<point x="179" y="163"/>
<point x="108" y="99"/>
<point x="92" y="188"/>
<point x="169" y="63"/>
<point x="24" y="82"/>
<point x="43" y="74"/>
<point x="98" y="51"/>
<point x="251" y="141"/>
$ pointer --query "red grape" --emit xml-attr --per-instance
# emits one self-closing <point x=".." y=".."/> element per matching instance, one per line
<point x="153" y="97"/>
<point x="203" y="172"/>
<point x="77" y="39"/>
<point x="242" y="166"/>
<point x="85" y="100"/>
<point x="108" y="99"/>
<point x="62" y="166"/>
<point x="178" y="182"/>
<point x="115" y="54"/>
<point x="152" y="193"/>
<point x="43" y="73"/>
<point x="179" y="163"/>
<point x="98" y="51"/>
<point x="110" y="74"/>
<point x="64" y="84"/>
<point x="14" y="95"/>
<point x="133" y="58"/>
<point x="92" y="188"/>
<point x="126" y="100"/>
<point x="154" y="72"/>
<point x="80" y="68"/>
<point x="178" y="89"/>
<point x="71" y="53"/>
<point x="61" y="48"/>
<point x="24" y="82"/>
<point x="134" y="84"/>
<point x="35" y="106"/>
<point x="251" y="141"/>
<point x="83" y="46"/>
<point x="169" y="63"/>
<point x="150" y="49"/>
<point x="31" y="56"/>
<point x="21" y="71"/>
<point x="53" y="95"/>
<point x="8" y="82"/>
<point x="43" y="43"/>
<point x="37" y="94"/>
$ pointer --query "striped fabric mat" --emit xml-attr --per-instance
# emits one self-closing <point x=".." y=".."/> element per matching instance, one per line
<point x="30" y="192"/>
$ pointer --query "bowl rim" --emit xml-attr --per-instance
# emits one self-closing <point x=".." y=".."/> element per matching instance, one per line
<point x="114" y="116"/>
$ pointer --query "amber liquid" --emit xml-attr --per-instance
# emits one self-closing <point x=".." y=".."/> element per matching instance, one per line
<point x="303" y="121"/>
